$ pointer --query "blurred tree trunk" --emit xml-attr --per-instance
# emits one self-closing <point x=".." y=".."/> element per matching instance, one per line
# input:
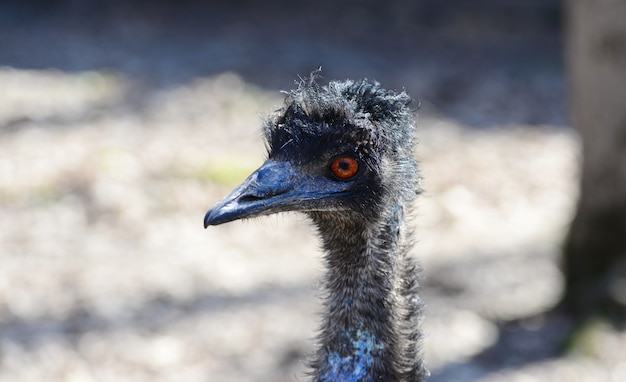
<point x="595" y="250"/>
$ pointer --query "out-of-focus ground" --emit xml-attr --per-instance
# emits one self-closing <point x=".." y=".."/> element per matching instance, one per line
<point x="121" y="124"/>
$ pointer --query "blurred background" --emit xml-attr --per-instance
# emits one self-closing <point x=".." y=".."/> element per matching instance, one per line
<point x="122" y="122"/>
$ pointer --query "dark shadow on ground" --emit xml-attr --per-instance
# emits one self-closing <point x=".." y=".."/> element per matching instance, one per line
<point x="155" y="314"/>
<point x="520" y="342"/>
<point x="505" y="291"/>
<point x="445" y="53"/>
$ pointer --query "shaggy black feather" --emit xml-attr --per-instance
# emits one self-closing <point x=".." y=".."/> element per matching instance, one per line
<point x="370" y="330"/>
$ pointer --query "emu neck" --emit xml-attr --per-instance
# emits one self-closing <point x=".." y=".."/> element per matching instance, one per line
<point x="369" y="332"/>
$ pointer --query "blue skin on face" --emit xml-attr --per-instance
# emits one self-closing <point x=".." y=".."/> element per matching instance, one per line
<point x="356" y="366"/>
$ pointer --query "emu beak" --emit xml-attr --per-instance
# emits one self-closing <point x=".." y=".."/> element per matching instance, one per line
<point x="273" y="187"/>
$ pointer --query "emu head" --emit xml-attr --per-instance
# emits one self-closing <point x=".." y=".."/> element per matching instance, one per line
<point x="346" y="147"/>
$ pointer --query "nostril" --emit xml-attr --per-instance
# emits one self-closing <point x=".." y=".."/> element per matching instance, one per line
<point x="262" y="194"/>
<point x="250" y="198"/>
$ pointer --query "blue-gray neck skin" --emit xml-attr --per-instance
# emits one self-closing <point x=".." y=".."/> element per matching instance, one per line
<point x="371" y="328"/>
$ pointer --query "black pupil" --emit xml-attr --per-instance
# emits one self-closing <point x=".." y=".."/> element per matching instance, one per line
<point x="344" y="165"/>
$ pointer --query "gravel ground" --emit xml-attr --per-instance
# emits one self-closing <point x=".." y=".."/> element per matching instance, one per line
<point x="111" y="150"/>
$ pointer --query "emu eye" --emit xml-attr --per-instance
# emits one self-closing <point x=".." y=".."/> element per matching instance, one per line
<point x="344" y="167"/>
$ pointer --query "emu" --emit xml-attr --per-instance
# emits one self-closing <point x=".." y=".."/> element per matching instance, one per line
<point x="343" y="154"/>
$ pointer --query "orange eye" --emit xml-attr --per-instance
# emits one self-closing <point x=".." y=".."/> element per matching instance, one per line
<point x="344" y="167"/>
